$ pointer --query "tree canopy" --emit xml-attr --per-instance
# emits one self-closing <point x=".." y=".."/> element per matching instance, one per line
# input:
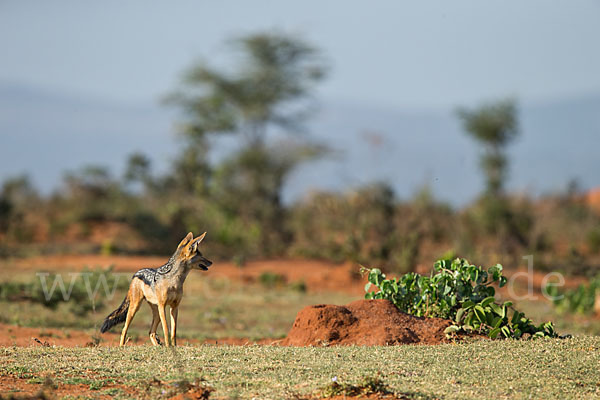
<point x="270" y="86"/>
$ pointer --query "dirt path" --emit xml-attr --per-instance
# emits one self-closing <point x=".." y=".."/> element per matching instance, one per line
<point x="24" y="388"/>
<point x="317" y="275"/>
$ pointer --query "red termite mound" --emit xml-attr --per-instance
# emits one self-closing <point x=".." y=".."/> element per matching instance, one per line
<point x="363" y="322"/>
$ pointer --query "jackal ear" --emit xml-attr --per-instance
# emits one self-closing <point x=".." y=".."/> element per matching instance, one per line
<point x="200" y="238"/>
<point x="186" y="240"/>
<point x="197" y="241"/>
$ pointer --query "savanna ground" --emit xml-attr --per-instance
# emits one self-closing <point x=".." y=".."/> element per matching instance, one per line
<point x="62" y="354"/>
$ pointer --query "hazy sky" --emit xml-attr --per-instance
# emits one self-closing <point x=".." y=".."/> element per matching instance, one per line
<point x="418" y="54"/>
<point x="80" y="80"/>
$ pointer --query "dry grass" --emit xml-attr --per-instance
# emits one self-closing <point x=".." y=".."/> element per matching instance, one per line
<point x="485" y="369"/>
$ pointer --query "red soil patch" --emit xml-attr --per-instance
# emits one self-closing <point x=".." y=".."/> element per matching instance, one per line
<point x="373" y="396"/>
<point x="194" y="394"/>
<point x="20" y="336"/>
<point x="21" y="388"/>
<point x="319" y="276"/>
<point x="363" y="322"/>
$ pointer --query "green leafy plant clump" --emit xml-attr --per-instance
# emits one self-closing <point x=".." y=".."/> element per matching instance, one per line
<point x="459" y="291"/>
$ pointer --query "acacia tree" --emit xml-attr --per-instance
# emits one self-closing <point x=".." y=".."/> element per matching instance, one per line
<point x="269" y="89"/>
<point x="493" y="126"/>
<point x="276" y="74"/>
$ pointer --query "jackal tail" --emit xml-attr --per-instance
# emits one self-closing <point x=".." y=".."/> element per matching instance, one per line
<point x="117" y="316"/>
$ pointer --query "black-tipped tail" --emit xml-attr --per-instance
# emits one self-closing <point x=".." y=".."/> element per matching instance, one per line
<point x="117" y="316"/>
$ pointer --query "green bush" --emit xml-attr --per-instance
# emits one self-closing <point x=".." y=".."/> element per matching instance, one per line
<point x="581" y="300"/>
<point x="593" y="240"/>
<point x="299" y="286"/>
<point x="271" y="279"/>
<point x="461" y="292"/>
<point x="356" y="226"/>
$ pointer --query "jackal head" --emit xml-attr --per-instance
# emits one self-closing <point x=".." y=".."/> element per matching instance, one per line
<point x="188" y="252"/>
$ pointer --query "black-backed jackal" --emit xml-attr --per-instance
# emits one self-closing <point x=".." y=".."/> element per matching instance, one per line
<point x="160" y="287"/>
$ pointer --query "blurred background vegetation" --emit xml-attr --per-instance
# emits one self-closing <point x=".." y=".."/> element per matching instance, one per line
<point x="265" y="104"/>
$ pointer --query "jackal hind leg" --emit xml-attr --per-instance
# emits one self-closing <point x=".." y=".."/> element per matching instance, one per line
<point x="155" y="321"/>
<point x="134" y="306"/>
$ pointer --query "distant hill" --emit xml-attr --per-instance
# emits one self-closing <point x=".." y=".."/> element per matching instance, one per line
<point x="44" y="133"/>
<point x="559" y="142"/>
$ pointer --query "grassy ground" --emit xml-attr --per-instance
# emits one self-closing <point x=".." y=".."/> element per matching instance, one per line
<point x="222" y="307"/>
<point x="484" y="369"/>
<point x="211" y="308"/>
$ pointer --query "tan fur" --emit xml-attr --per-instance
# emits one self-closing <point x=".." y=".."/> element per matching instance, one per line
<point x="167" y="291"/>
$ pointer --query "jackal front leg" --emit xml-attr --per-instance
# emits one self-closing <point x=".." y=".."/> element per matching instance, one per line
<point x="173" y="311"/>
<point x="163" y="320"/>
